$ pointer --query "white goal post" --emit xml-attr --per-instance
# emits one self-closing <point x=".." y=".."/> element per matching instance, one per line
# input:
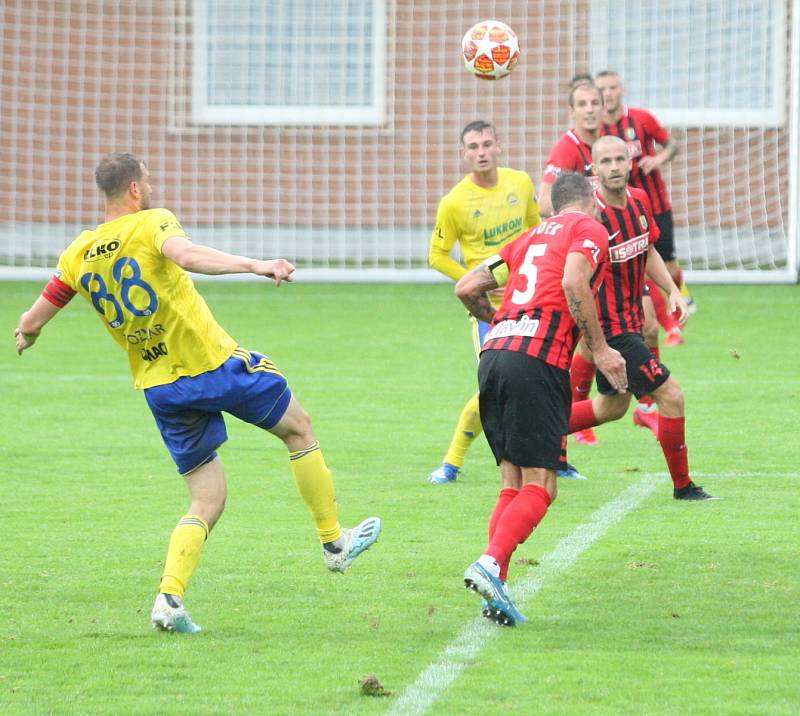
<point x="326" y="132"/>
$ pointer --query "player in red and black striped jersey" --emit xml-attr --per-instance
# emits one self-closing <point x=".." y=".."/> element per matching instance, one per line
<point x="626" y="214"/>
<point x="641" y="132"/>
<point x="573" y="151"/>
<point x="631" y="231"/>
<point x="534" y="316"/>
<point x="550" y="275"/>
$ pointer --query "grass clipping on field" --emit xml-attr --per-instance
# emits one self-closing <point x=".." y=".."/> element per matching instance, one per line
<point x="370" y="686"/>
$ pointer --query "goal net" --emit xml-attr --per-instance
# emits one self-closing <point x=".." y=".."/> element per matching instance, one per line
<point x="326" y="131"/>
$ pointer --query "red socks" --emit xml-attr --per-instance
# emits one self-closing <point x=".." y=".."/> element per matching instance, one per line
<point x="581" y="375"/>
<point x="582" y="416"/>
<point x="676" y="314"/>
<point x="663" y="315"/>
<point x="515" y="524"/>
<point x="507" y="495"/>
<point x="672" y="436"/>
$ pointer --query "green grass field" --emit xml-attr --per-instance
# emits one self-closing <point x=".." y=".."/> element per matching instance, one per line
<point x="676" y="609"/>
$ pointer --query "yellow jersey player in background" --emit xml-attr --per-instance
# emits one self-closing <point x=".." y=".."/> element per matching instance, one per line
<point x="132" y="269"/>
<point x="487" y="209"/>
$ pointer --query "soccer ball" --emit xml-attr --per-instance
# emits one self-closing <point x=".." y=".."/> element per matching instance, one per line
<point x="491" y="49"/>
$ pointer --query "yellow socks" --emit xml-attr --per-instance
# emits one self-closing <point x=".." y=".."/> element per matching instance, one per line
<point x="183" y="554"/>
<point x="468" y="428"/>
<point x="315" y="483"/>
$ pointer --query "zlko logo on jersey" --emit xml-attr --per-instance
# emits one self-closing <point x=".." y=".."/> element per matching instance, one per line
<point x="104" y="250"/>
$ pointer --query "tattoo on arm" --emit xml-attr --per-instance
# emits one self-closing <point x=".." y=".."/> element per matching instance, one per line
<point x="576" y="309"/>
<point x="476" y="300"/>
<point x="479" y="306"/>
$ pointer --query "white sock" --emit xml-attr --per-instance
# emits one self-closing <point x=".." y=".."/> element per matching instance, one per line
<point x="490" y="564"/>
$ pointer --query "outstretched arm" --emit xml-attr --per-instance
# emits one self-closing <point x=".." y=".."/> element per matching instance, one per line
<point x="32" y="321"/>
<point x="203" y="259"/>
<point x="471" y="290"/>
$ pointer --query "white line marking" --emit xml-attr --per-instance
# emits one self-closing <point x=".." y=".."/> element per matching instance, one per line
<point x="432" y="682"/>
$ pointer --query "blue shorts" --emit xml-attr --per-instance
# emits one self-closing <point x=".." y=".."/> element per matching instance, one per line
<point x="188" y="412"/>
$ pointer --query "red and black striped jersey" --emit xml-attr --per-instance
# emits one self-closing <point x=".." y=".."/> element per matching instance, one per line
<point x="641" y="130"/>
<point x="534" y="317"/>
<point x="631" y="230"/>
<point x="569" y="154"/>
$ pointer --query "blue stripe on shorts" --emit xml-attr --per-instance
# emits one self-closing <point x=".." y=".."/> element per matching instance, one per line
<point x="483" y="329"/>
<point x="189" y="411"/>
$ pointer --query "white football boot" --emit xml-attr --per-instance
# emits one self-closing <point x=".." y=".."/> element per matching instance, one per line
<point x="352" y="543"/>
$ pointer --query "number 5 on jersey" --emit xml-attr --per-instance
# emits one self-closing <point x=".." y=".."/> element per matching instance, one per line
<point x="528" y="269"/>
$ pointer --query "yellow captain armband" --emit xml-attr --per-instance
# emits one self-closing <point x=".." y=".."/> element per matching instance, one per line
<point x="498" y="269"/>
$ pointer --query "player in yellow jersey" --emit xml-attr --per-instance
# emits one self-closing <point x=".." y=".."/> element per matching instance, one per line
<point x="487" y="209"/>
<point x="132" y="269"/>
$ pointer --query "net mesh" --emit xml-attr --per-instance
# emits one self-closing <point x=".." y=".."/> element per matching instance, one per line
<point x="326" y="132"/>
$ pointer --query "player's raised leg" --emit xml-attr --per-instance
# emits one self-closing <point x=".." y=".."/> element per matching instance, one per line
<point x="600" y="409"/>
<point x="581" y="376"/>
<point x="340" y="546"/>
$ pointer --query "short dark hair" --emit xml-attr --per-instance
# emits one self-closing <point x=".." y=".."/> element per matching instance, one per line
<point x="581" y="79"/>
<point x="582" y="85"/>
<point x="116" y="171"/>
<point x="479" y="125"/>
<point x="570" y="188"/>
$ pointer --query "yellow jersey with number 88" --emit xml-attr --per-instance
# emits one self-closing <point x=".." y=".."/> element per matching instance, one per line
<point x="147" y="303"/>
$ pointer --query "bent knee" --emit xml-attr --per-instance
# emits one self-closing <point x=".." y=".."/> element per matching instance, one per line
<point x="619" y="410"/>
<point x="611" y="407"/>
<point x="209" y="507"/>
<point x="295" y="428"/>
<point x="301" y="423"/>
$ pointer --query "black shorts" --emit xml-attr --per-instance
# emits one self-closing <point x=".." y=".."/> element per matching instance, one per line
<point x="645" y="373"/>
<point x="524" y="405"/>
<point x="666" y="243"/>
